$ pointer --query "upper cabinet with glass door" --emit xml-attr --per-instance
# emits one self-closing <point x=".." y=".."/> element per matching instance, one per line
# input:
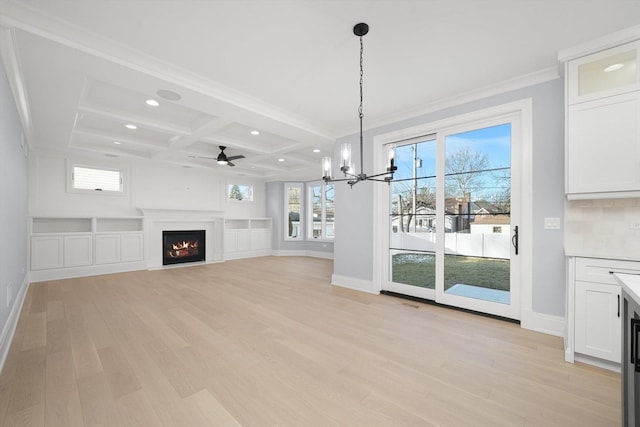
<point x="610" y="72"/>
<point x="602" y="146"/>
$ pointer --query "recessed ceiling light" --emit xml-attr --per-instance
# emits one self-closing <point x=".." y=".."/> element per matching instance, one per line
<point x="117" y="142"/>
<point x="169" y="94"/>
<point x="130" y="126"/>
<point x="152" y="102"/>
<point x="281" y="159"/>
<point x="316" y="150"/>
<point x="613" y="67"/>
<point x="255" y="132"/>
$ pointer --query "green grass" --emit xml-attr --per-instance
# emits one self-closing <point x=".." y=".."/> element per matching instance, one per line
<point x="418" y="269"/>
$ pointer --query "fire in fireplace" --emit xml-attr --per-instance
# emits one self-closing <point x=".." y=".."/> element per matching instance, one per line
<point x="183" y="246"/>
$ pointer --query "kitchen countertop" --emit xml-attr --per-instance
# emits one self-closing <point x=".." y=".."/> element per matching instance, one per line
<point x="630" y="283"/>
<point x="578" y="254"/>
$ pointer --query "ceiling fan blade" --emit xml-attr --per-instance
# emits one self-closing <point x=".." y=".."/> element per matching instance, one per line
<point x="235" y="157"/>
<point x="230" y="164"/>
<point x="202" y="157"/>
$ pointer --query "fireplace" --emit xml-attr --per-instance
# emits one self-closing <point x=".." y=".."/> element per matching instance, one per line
<point x="183" y="246"/>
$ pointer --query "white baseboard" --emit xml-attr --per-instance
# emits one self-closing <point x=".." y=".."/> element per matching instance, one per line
<point x="313" y="254"/>
<point x="10" y="327"/>
<point x="545" y="323"/>
<point x="353" y="283"/>
<point x="91" y="270"/>
<point x="594" y="361"/>
<point x="247" y="254"/>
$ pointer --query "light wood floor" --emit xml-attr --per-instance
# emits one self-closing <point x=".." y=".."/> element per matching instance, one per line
<point x="268" y="342"/>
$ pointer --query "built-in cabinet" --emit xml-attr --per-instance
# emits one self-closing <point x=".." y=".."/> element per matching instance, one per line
<point x="594" y="310"/>
<point x="245" y="238"/>
<point x="68" y="243"/>
<point x="602" y="147"/>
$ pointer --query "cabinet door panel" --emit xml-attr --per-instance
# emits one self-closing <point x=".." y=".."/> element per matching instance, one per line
<point x="598" y="323"/>
<point x="46" y="252"/>
<point x="602" y="153"/>
<point x="108" y="249"/>
<point x="132" y="247"/>
<point x="78" y="251"/>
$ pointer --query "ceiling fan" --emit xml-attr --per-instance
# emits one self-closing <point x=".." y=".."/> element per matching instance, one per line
<point x="222" y="158"/>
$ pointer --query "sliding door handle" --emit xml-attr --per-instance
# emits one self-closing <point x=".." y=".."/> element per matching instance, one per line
<point x="514" y="239"/>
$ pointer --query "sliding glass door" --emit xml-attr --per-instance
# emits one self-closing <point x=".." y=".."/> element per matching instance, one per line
<point x="453" y="220"/>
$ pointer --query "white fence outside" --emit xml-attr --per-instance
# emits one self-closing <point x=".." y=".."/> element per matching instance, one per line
<point x="477" y="245"/>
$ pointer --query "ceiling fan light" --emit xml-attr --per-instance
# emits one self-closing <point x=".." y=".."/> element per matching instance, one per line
<point x="222" y="162"/>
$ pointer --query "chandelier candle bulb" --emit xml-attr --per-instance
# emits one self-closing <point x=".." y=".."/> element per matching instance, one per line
<point x="345" y="149"/>
<point x="327" y="172"/>
<point x="391" y="154"/>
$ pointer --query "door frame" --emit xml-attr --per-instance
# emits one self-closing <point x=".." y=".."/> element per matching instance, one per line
<point x="522" y="109"/>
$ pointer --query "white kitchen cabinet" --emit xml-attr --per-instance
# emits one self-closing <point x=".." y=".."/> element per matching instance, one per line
<point x="602" y="144"/>
<point x="603" y="150"/>
<point x="598" y="320"/>
<point x="594" y="310"/>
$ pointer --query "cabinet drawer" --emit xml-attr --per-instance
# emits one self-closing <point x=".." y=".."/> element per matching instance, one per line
<point x="598" y="270"/>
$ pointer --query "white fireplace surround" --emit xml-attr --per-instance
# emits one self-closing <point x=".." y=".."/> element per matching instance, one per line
<point x="158" y="220"/>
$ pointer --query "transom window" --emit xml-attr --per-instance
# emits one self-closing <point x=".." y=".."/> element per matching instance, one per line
<point x="240" y="193"/>
<point x="85" y="179"/>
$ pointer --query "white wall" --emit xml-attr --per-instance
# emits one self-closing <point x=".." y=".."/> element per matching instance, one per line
<point x="150" y="185"/>
<point x="13" y="210"/>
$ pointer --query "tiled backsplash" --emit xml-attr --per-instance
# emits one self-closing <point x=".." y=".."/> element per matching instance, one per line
<point x="603" y="228"/>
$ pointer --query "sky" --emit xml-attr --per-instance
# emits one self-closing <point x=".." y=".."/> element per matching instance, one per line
<point x="494" y="142"/>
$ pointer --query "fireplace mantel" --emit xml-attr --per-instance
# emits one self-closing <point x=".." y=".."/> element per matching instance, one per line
<point x="179" y="214"/>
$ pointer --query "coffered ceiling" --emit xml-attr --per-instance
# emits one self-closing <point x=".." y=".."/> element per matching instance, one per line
<point x="81" y="70"/>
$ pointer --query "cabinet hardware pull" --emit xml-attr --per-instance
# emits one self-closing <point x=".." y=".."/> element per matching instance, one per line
<point x="514" y="239"/>
<point x="618" y="305"/>
<point x="635" y="332"/>
<point x="634" y="342"/>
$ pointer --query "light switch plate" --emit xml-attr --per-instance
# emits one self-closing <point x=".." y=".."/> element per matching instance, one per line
<point x="552" y="223"/>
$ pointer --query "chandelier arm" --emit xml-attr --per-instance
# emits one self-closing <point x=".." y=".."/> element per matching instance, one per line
<point x="338" y="180"/>
<point x="379" y="174"/>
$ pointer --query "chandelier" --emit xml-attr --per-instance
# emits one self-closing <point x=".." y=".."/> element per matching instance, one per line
<point x="346" y="164"/>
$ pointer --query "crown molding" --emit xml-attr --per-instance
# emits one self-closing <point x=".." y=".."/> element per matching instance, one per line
<point x="531" y="79"/>
<point x="13" y="71"/>
<point x="610" y="40"/>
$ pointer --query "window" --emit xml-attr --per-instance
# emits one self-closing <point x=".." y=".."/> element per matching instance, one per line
<point x="321" y="211"/>
<point x="240" y="192"/>
<point x="293" y="212"/>
<point x="88" y="179"/>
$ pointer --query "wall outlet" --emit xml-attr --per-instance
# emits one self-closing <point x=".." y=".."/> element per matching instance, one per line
<point x="552" y="223"/>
